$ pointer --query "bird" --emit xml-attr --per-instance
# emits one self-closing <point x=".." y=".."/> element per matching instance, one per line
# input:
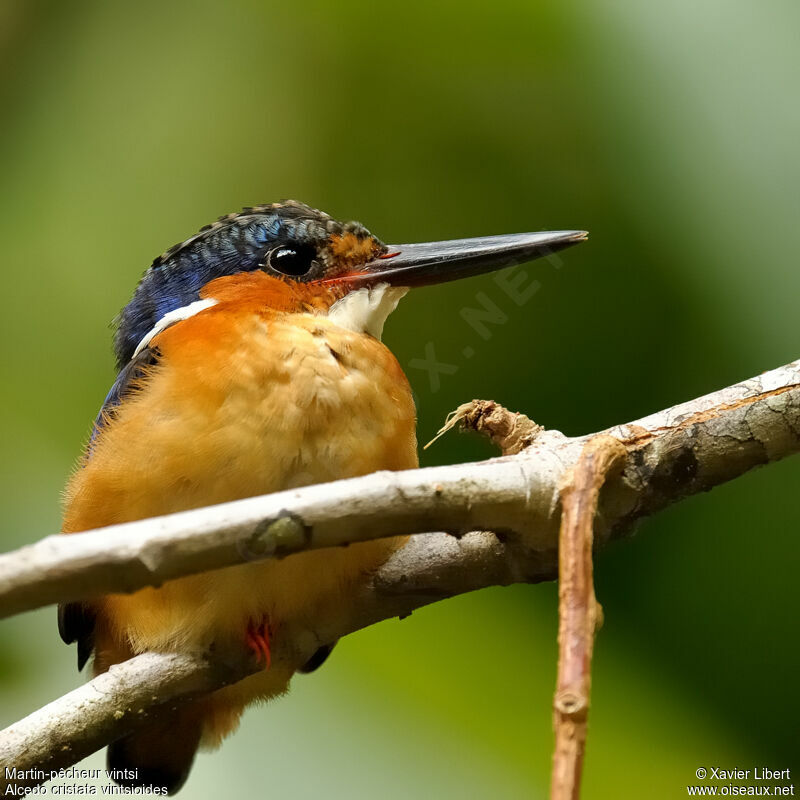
<point x="249" y="360"/>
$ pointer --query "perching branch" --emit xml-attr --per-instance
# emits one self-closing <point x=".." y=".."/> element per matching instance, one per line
<point x="678" y="452"/>
<point x="117" y="702"/>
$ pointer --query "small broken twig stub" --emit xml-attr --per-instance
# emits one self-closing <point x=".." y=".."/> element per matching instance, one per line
<point x="578" y="610"/>
<point x="511" y="432"/>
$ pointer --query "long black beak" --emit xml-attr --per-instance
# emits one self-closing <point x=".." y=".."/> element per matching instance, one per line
<point x="437" y="262"/>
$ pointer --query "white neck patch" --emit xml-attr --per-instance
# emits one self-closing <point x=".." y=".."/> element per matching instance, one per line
<point x="366" y="310"/>
<point x="171" y="317"/>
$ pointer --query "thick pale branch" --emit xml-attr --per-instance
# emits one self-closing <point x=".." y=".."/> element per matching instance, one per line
<point x="670" y="455"/>
<point x="123" y="558"/>
<point x="677" y="452"/>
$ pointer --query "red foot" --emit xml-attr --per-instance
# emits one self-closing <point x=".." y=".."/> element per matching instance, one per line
<point x="258" y="637"/>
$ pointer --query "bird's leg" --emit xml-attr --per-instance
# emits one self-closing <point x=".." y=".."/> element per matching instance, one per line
<point x="258" y="636"/>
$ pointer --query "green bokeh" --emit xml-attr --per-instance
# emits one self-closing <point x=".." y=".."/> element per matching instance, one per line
<point x="669" y="131"/>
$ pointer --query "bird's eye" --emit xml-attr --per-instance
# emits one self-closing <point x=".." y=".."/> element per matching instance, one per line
<point x="292" y="259"/>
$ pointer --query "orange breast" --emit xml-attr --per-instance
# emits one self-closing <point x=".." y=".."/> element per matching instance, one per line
<point x="246" y="399"/>
<point x="243" y="401"/>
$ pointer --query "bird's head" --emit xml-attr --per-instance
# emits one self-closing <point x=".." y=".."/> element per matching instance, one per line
<point x="313" y="262"/>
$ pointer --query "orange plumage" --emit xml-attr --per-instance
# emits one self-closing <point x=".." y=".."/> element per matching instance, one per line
<point x="258" y="393"/>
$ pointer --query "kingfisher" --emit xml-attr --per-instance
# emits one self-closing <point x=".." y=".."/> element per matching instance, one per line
<point x="250" y="361"/>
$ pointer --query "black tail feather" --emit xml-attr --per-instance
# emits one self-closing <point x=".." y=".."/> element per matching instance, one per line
<point x="76" y="623"/>
<point x="318" y="659"/>
<point x="159" y="755"/>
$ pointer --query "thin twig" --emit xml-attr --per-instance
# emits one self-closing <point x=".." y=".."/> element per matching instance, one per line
<point x="578" y="610"/>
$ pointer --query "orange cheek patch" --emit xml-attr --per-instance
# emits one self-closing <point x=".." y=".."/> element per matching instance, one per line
<point x="252" y="290"/>
<point x="249" y="292"/>
<point x="349" y="250"/>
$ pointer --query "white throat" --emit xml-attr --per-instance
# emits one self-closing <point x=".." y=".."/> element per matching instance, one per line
<point x="366" y="310"/>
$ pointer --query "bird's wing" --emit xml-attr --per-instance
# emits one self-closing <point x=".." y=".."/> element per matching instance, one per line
<point x="76" y="620"/>
<point x="132" y="371"/>
<point x="145" y="355"/>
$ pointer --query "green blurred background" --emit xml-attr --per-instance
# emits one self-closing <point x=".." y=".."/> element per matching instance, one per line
<point x="668" y="130"/>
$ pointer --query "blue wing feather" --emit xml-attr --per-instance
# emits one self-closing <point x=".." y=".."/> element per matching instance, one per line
<point x="132" y="371"/>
